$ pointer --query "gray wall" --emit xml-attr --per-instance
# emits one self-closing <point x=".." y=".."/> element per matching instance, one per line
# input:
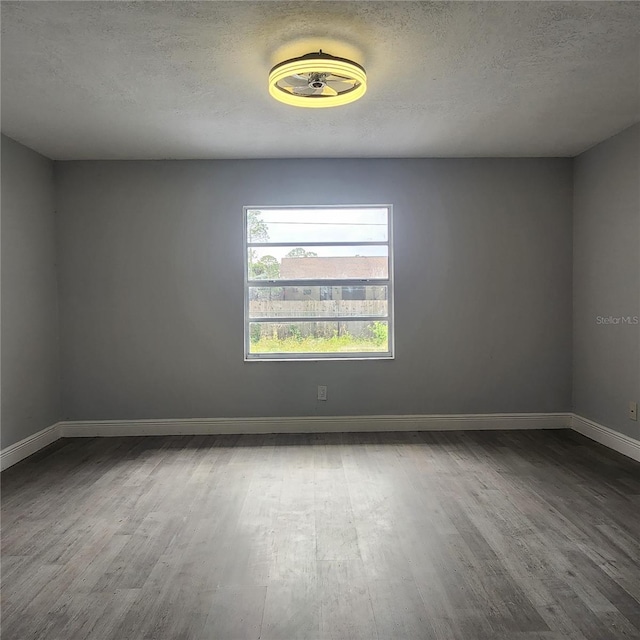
<point x="30" y="360"/>
<point x="607" y="281"/>
<point x="152" y="304"/>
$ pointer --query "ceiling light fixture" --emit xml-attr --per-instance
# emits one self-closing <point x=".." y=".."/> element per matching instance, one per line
<point x="317" y="80"/>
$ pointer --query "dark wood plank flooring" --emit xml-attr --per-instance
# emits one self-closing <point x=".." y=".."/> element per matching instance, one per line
<point x="449" y="536"/>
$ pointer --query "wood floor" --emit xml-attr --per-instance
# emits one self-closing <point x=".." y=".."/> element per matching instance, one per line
<point x="454" y="536"/>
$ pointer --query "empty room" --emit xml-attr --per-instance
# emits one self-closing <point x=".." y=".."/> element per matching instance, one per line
<point x="320" y="320"/>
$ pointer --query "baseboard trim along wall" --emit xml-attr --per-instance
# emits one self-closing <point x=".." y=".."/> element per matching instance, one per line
<point x="23" y="449"/>
<point x="608" y="437"/>
<point x="319" y="424"/>
<point x="316" y="424"/>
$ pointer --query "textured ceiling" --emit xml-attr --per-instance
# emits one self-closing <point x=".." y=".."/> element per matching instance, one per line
<point x="188" y="79"/>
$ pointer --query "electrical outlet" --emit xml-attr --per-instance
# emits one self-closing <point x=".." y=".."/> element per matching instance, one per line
<point x="633" y="411"/>
<point x="322" y="392"/>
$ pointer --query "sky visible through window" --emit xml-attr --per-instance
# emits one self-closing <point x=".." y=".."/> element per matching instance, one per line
<point x="323" y="225"/>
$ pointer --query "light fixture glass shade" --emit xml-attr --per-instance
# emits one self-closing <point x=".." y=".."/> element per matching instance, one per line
<point x="317" y="80"/>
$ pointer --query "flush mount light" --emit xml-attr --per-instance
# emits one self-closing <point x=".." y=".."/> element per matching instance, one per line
<point x="317" y="80"/>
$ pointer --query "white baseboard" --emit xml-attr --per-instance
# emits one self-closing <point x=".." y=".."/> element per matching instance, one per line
<point x="608" y="437"/>
<point x="320" y="424"/>
<point x="23" y="449"/>
<point x="303" y="424"/>
<point x="316" y="424"/>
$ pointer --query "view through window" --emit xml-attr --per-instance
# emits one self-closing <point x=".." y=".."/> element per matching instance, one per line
<point x="318" y="282"/>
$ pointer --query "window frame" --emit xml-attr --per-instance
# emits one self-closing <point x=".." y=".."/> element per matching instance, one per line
<point x="353" y="282"/>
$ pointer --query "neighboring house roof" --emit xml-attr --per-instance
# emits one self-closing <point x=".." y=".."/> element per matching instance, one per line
<point x="319" y="268"/>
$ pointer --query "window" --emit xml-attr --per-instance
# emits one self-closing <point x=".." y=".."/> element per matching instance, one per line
<point x="318" y="283"/>
<point x="354" y="293"/>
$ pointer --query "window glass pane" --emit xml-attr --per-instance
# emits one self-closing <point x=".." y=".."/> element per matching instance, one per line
<point x="317" y="225"/>
<point x="324" y="302"/>
<point x="362" y="336"/>
<point x="318" y="263"/>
